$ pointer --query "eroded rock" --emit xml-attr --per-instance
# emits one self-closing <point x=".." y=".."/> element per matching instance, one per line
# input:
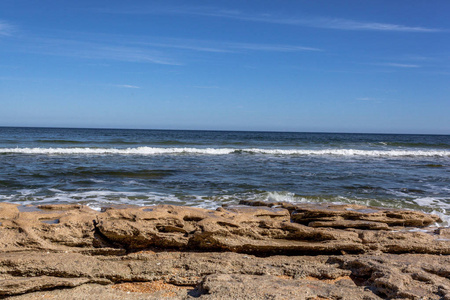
<point x="228" y="275"/>
<point x="306" y="228"/>
<point x="74" y="247"/>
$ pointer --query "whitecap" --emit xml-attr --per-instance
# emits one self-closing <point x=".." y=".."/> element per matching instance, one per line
<point x="227" y="151"/>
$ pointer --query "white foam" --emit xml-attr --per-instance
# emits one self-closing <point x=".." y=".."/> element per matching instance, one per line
<point x="352" y="152"/>
<point x="444" y="217"/>
<point x="280" y="197"/>
<point x="226" y="151"/>
<point x="433" y="202"/>
<point x="132" y="182"/>
<point x="127" y="151"/>
<point x="98" y="199"/>
<point x="27" y="192"/>
<point x="440" y="206"/>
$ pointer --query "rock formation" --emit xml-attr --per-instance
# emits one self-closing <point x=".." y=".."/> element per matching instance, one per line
<point x="255" y="250"/>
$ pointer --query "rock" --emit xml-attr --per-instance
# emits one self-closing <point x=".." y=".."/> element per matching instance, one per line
<point x="305" y="251"/>
<point x="341" y="214"/>
<point x="404" y="276"/>
<point x="239" y="286"/>
<point x="228" y="275"/>
<point x="444" y="233"/>
<point x="8" y="212"/>
<point x="311" y="229"/>
<point x="25" y="285"/>
<point x="350" y="224"/>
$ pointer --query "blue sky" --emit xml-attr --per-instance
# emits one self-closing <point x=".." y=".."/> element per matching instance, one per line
<point x="335" y="66"/>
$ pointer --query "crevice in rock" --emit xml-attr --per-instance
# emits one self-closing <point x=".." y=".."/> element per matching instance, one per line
<point x="39" y="289"/>
<point x="444" y="273"/>
<point x="197" y="291"/>
<point x="192" y="218"/>
<point x="359" y="280"/>
<point x="45" y="283"/>
<point x="102" y="241"/>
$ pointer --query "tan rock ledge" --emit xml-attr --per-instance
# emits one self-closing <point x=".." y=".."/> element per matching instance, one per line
<point x="303" y="251"/>
<point x="286" y="229"/>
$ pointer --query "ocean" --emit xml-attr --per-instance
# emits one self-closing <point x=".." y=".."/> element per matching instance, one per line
<point x="104" y="167"/>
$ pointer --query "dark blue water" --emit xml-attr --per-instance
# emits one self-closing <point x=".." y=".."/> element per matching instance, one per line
<point x="101" y="167"/>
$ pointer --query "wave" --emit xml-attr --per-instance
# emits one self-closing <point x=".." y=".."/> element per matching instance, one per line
<point x="226" y="151"/>
<point x="416" y="145"/>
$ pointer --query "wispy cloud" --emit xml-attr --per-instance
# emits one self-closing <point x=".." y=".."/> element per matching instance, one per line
<point x="270" y="48"/>
<point x="420" y="58"/>
<point x="6" y="29"/>
<point x="368" y="100"/>
<point x="328" y="23"/>
<point x="187" y="45"/>
<point x="142" y="49"/>
<point x="218" y="46"/>
<point x="236" y="47"/>
<point x="94" y="50"/>
<point x="127" y="86"/>
<point x="397" y="65"/>
<point x="344" y="24"/>
<point x="206" y="87"/>
<point x="137" y="46"/>
<point x="316" y="22"/>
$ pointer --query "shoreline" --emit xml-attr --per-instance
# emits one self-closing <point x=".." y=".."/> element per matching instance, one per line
<point x="255" y="250"/>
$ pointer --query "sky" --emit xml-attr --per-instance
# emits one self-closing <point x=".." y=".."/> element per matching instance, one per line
<point x="370" y="66"/>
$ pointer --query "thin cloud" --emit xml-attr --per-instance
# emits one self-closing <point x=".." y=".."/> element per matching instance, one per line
<point x="112" y="47"/>
<point x="102" y="51"/>
<point x="184" y="46"/>
<point x="368" y="99"/>
<point x="223" y="47"/>
<point x="127" y="86"/>
<point x="6" y="29"/>
<point x="344" y="24"/>
<point x="421" y="58"/>
<point x="328" y="23"/>
<point x="205" y="87"/>
<point x="397" y="65"/>
<point x="318" y="22"/>
<point x="197" y="45"/>
<point x="271" y="48"/>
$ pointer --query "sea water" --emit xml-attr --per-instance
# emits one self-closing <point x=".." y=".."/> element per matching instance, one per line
<point x="103" y="167"/>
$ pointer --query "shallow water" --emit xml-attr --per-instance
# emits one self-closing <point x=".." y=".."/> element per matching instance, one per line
<point x="101" y="167"/>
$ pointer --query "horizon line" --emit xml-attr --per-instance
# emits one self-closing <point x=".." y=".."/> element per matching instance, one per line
<point x="225" y="130"/>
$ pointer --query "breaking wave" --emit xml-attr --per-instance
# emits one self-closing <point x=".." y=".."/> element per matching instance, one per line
<point x="226" y="151"/>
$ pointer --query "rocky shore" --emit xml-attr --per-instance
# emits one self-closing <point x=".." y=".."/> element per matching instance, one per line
<point x="255" y="250"/>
